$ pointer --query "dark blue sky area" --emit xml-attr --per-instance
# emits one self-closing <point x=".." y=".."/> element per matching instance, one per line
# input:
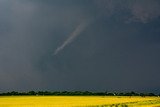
<point x="93" y="45"/>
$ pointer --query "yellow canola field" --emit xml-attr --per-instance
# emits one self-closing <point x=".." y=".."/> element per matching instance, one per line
<point x="78" y="101"/>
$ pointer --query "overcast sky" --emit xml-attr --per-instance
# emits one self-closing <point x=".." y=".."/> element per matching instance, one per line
<point x="94" y="45"/>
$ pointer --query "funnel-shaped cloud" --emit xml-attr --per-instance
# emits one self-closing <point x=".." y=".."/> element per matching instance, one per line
<point x="80" y="28"/>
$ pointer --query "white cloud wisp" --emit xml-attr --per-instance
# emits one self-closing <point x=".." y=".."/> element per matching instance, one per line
<point x="79" y="29"/>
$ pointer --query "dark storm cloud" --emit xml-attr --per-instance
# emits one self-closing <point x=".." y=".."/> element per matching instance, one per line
<point x="95" y="48"/>
<point x="30" y="31"/>
<point x="143" y="10"/>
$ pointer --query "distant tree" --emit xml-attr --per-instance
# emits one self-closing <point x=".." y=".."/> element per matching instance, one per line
<point x="40" y="93"/>
<point x="142" y="94"/>
<point x="134" y="93"/>
<point x="150" y="94"/>
<point x="100" y="93"/>
<point x="106" y="92"/>
<point x="56" y="93"/>
<point x="82" y="93"/>
<point x="14" y="93"/>
<point x="121" y="94"/>
<point x="47" y="93"/>
<point x="110" y="94"/>
<point x="31" y="93"/>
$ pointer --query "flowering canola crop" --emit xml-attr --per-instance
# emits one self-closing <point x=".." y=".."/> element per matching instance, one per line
<point x="78" y="101"/>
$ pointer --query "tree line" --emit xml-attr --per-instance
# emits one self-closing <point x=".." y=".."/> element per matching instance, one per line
<point x="76" y="93"/>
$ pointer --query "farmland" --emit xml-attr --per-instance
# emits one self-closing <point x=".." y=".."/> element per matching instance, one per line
<point x="78" y="101"/>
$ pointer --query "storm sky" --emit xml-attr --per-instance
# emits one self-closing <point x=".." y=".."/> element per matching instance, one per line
<point x="87" y="45"/>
